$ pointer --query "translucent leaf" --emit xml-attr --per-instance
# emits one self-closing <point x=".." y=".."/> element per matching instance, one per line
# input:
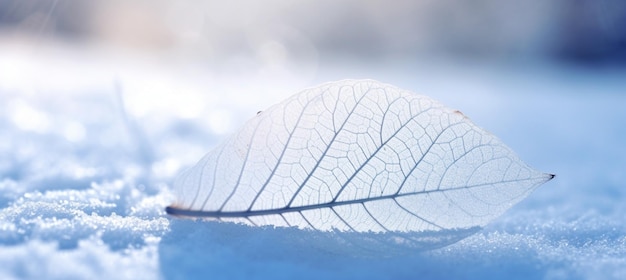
<point x="359" y="156"/>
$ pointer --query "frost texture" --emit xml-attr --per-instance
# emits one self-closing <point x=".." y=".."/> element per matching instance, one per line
<point x="358" y="156"/>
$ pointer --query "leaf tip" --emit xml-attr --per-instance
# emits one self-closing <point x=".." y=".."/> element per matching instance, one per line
<point x="547" y="177"/>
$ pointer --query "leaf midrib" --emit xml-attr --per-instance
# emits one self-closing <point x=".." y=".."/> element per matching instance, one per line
<point x="277" y="211"/>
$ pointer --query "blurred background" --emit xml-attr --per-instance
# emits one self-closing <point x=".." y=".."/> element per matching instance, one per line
<point x="286" y="38"/>
<point x="246" y="33"/>
<point x="251" y="49"/>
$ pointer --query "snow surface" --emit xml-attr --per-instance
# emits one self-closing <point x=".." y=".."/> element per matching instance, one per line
<point x="88" y="153"/>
